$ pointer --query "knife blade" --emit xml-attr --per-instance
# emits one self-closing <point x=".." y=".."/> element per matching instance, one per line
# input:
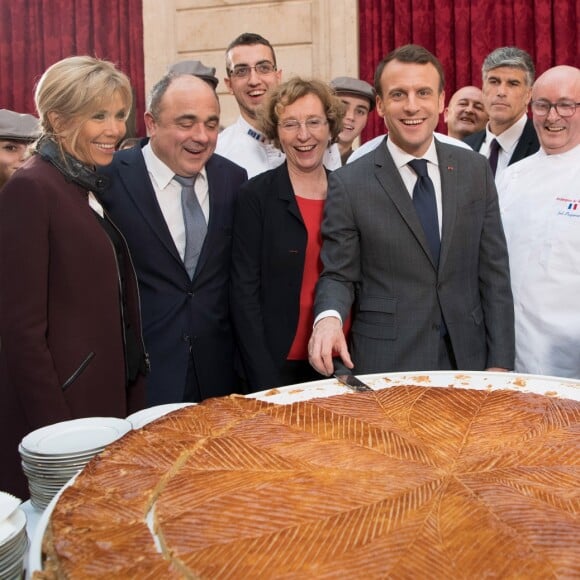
<point x="352" y="382"/>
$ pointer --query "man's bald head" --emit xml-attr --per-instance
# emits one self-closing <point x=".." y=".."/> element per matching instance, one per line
<point x="559" y="86"/>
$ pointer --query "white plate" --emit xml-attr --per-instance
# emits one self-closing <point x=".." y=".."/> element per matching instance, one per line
<point x="42" y="459"/>
<point x="35" y="553"/>
<point x="549" y="386"/>
<point x="75" y="436"/>
<point x="8" y="505"/>
<point x="541" y="385"/>
<point x="15" y="555"/>
<point x="141" y="418"/>
<point x="17" y="522"/>
<point x="14" y="572"/>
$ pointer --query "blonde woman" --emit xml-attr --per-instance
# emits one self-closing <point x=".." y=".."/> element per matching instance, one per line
<point x="69" y="316"/>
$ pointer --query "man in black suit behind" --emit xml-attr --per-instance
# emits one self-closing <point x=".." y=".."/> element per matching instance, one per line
<point x="186" y="323"/>
<point x="507" y="75"/>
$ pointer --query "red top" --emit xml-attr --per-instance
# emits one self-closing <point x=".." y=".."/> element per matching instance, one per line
<point x="311" y="211"/>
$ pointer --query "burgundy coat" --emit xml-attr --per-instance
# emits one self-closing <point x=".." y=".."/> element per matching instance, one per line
<point x="59" y="302"/>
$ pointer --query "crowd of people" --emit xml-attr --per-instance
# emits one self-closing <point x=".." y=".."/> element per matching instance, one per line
<point x="201" y="261"/>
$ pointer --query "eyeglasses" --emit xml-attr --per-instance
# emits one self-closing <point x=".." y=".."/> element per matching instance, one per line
<point x="243" y="70"/>
<point x="563" y="108"/>
<point x="312" y="124"/>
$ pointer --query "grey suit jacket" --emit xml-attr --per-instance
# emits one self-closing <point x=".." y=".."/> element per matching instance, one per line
<point x="375" y="258"/>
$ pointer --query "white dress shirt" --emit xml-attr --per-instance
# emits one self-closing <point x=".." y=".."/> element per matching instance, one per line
<point x="401" y="159"/>
<point x="409" y="177"/>
<point x="374" y="143"/>
<point x="508" y="141"/>
<point x="95" y="205"/>
<point x="168" y="193"/>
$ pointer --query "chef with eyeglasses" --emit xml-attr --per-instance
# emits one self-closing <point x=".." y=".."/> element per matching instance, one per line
<point x="540" y="204"/>
<point x="251" y="72"/>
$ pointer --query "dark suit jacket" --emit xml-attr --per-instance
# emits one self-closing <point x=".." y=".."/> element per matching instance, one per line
<point x="268" y="254"/>
<point x="375" y="250"/>
<point x="526" y="146"/>
<point x="179" y="313"/>
<point x="59" y="302"/>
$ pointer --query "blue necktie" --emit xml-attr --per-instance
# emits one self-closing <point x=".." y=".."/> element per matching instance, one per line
<point x="426" y="206"/>
<point x="494" y="148"/>
<point x="194" y="221"/>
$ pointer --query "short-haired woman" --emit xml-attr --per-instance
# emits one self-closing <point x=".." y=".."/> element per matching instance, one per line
<point x="276" y="244"/>
<point x="70" y="331"/>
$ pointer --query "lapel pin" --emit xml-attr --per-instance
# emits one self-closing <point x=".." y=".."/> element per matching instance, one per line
<point x="450" y="168"/>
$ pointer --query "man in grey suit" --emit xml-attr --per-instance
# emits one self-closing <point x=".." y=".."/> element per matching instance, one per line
<point x="420" y="261"/>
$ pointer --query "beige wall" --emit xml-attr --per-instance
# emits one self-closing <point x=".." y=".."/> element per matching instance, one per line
<point x="311" y="37"/>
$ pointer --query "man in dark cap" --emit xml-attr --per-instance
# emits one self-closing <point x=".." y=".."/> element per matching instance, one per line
<point x="17" y="131"/>
<point x="359" y="99"/>
<point x="197" y="69"/>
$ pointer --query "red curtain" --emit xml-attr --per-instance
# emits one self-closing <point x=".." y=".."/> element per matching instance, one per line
<point x="462" y="32"/>
<point x="37" y="33"/>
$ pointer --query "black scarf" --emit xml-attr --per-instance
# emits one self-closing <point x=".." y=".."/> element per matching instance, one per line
<point x="72" y="169"/>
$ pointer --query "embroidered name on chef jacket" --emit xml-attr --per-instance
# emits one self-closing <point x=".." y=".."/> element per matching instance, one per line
<point x="257" y="136"/>
<point x="568" y="207"/>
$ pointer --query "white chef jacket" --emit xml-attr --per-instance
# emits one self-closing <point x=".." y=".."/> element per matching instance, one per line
<point x="242" y="144"/>
<point x="540" y="207"/>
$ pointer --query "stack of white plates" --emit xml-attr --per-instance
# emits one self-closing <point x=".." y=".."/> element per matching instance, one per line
<point x="13" y="545"/>
<point x="52" y="455"/>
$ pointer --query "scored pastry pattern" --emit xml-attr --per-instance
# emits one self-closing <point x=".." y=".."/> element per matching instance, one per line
<point x="402" y="482"/>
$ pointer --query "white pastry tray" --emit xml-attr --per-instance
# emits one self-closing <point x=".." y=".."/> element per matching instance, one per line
<point x="541" y="385"/>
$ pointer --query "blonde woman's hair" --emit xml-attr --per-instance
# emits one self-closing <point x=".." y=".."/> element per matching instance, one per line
<point x="73" y="89"/>
<point x="289" y="92"/>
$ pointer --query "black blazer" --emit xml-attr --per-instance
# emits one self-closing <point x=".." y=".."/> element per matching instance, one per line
<point x="527" y="145"/>
<point x="178" y="312"/>
<point x="268" y="253"/>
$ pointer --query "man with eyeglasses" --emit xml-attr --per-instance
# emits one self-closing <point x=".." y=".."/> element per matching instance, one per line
<point x="540" y="204"/>
<point x="251" y="71"/>
<point x="507" y="74"/>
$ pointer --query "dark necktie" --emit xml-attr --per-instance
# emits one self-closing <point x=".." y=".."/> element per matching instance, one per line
<point x="494" y="148"/>
<point x="194" y="221"/>
<point x="426" y="206"/>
